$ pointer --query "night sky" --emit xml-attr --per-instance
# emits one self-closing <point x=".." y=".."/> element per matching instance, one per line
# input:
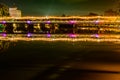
<point x="59" y="7"/>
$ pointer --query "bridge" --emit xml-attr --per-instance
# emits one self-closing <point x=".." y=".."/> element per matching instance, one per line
<point x="51" y="24"/>
<point x="72" y="19"/>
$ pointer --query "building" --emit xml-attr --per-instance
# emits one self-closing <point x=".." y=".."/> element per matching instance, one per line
<point x="14" y="12"/>
<point x="110" y="12"/>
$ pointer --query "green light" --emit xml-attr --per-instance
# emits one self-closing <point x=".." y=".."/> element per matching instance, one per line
<point x="1" y="31"/>
<point x="2" y="28"/>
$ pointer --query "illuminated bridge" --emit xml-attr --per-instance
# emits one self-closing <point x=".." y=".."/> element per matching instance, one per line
<point x="49" y="24"/>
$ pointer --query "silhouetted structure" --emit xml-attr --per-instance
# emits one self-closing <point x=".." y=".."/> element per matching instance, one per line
<point x="92" y="14"/>
<point x="63" y="15"/>
<point x="110" y="12"/>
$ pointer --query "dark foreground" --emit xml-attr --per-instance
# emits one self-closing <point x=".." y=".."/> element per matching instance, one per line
<point x="39" y="60"/>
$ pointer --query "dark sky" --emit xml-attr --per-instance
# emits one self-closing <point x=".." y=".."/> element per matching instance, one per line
<point x="59" y="7"/>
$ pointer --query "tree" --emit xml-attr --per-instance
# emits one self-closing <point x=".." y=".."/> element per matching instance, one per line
<point x="92" y="14"/>
<point x="63" y="15"/>
<point x="4" y="10"/>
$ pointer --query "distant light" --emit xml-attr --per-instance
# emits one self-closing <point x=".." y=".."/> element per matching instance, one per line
<point x="4" y="22"/>
<point x="29" y="35"/>
<point x="96" y="35"/>
<point x="46" y="17"/>
<point x="32" y="39"/>
<point x="97" y="21"/>
<point x="48" y="35"/>
<point x="72" y="22"/>
<point x="28" y="22"/>
<point x="53" y="39"/>
<point x="98" y="40"/>
<point x="4" y="34"/>
<point x="72" y="35"/>
<point x="48" y="22"/>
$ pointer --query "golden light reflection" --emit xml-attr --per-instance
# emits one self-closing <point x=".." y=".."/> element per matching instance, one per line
<point x="4" y="45"/>
<point x="56" y="18"/>
<point x="77" y="38"/>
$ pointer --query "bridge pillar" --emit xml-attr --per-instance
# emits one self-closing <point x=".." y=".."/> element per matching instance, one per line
<point x="98" y="29"/>
<point x="19" y="28"/>
<point x="37" y="28"/>
<point x="9" y="28"/>
<point x="74" y="28"/>
<point x="14" y="27"/>
<point x="30" y="28"/>
<point x="53" y="28"/>
<point x="56" y="28"/>
<point x="66" y="28"/>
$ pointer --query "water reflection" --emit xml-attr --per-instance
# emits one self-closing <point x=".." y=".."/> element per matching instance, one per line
<point x="4" y="45"/>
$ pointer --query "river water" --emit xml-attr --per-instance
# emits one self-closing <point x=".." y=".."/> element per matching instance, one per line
<point x="26" y="60"/>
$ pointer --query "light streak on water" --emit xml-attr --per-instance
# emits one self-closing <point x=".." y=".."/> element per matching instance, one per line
<point x="62" y="37"/>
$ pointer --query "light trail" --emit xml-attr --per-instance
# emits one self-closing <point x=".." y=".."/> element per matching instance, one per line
<point x="56" y="19"/>
<point x="55" y="37"/>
